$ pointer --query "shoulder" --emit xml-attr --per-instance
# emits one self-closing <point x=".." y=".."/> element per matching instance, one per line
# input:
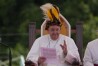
<point x="92" y="43"/>
<point x="42" y="38"/>
<point x="66" y="37"/>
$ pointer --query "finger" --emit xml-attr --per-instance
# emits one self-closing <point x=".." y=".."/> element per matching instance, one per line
<point x="62" y="46"/>
<point x="64" y="49"/>
<point x="64" y="43"/>
<point x="42" y="58"/>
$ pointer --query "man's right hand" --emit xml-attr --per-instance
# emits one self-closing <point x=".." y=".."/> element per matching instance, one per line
<point x="41" y="60"/>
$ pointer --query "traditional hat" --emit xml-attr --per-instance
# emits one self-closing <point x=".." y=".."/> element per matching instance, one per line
<point x="51" y="14"/>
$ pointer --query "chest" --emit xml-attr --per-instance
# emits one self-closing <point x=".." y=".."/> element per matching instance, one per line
<point x="55" y="45"/>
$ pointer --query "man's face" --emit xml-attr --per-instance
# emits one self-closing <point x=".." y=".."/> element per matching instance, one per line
<point x="54" y="32"/>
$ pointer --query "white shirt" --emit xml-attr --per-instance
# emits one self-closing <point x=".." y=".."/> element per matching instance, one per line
<point x="46" y="41"/>
<point x="91" y="53"/>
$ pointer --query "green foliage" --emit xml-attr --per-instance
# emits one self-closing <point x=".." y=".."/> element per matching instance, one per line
<point x="90" y="29"/>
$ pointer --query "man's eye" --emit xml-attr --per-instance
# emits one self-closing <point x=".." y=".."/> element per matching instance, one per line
<point x="52" y="29"/>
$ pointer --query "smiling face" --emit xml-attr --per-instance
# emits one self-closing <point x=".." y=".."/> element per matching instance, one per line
<point x="54" y="31"/>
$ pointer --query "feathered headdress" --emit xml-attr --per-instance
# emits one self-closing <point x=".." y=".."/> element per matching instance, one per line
<point x="51" y="12"/>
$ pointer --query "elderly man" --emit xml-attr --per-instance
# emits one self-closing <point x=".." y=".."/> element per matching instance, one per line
<point x="66" y="50"/>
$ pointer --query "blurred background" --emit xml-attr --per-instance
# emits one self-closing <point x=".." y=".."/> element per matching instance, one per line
<point x="15" y="16"/>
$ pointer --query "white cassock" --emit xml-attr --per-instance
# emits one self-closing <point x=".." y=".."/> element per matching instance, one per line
<point x="47" y="42"/>
<point x="91" y="53"/>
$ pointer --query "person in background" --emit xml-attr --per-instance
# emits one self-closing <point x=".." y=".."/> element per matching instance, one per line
<point x="91" y="54"/>
<point x="65" y="46"/>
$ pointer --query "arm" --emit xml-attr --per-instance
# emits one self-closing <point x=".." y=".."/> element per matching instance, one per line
<point x="72" y="56"/>
<point x="87" y="60"/>
<point x="34" y="52"/>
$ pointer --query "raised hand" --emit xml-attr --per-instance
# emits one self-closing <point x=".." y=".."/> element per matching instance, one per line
<point x="64" y="47"/>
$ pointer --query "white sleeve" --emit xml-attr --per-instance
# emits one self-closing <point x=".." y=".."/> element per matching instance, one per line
<point x="87" y="60"/>
<point x="72" y="52"/>
<point x="34" y="52"/>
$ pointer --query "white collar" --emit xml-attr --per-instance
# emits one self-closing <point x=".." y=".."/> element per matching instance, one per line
<point x="51" y="39"/>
